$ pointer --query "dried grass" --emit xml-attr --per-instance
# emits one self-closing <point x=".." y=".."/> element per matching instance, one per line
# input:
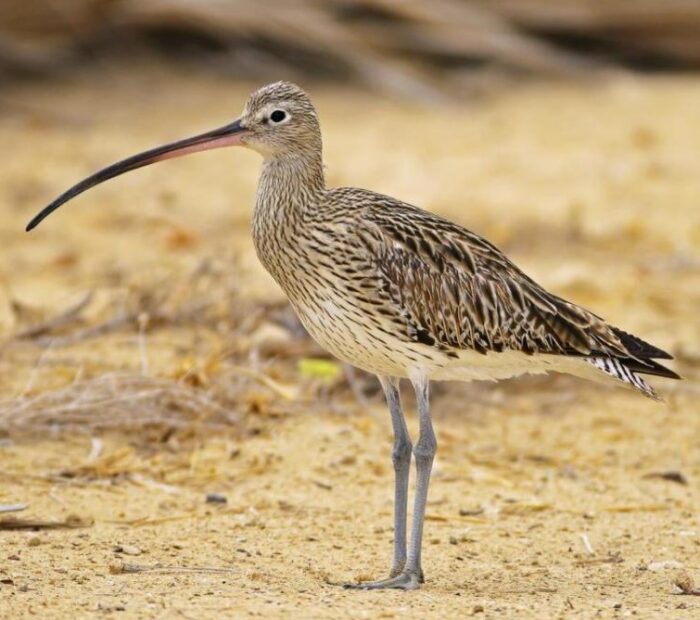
<point x="118" y="400"/>
<point x="237" y="370"/>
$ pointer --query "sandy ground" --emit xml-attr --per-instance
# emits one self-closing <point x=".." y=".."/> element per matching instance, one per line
<point x="552" y="498"/>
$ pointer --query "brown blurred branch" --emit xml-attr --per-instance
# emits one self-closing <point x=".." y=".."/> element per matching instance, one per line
<point x="410" y="47"/>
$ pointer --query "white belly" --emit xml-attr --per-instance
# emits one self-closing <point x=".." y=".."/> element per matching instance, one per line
<point x="345" y="333"/>
<point x="340" y="330"/>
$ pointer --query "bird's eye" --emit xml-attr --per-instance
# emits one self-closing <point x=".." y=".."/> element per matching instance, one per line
<point x="278" y="116"/>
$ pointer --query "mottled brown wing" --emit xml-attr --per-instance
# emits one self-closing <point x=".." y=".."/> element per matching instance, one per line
<point x="457" y="291"/>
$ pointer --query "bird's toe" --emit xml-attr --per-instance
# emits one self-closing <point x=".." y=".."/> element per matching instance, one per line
<point x="402" y="581"/>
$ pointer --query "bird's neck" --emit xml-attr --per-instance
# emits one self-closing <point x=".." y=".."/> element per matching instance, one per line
<point x="290" y="191"/>
<point x="291" y="181"/>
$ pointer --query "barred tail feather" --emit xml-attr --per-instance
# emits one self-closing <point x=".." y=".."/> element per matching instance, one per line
<point x="617" y="369"/>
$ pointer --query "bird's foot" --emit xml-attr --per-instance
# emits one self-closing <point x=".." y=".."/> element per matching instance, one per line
<point x="403" y="581"/>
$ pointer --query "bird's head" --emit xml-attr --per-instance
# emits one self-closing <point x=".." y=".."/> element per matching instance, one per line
<point x="278" y="120"/>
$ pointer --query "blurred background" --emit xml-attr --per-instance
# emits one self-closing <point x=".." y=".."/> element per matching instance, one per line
<point x="413" y="48"/>
<point x="148" y="361"/>
<point x="416" y="49"/>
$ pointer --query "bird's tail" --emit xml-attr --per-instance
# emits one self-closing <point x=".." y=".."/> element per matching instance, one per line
<point x="617" y="369"/>
<point x="641" y="361"/>
<point x="629" y="369"/>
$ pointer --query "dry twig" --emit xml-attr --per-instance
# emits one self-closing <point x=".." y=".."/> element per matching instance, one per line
<point x="70" y="522"/>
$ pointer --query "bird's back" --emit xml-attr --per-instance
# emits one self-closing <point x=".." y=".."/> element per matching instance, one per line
<point x="389" y="287"/>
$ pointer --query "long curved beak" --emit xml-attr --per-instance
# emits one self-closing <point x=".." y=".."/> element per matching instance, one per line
<point x="228" y="135"/>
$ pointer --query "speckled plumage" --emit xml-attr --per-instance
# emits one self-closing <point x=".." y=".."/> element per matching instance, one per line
<point x="389" y="287"/>
<point x="398" y="291"/>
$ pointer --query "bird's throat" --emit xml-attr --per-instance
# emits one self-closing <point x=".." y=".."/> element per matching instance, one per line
<point x="289" y="190"/>
<point x="289" y="185"/>
<point x="299" y="173"/>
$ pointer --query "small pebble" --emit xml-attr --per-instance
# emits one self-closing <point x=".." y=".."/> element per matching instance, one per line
<point x="471" y="512"/>
<point x="685" y="583"/>
<point x="128" y="550"/>
<point x="216" y="498"/>
<point x="663" y="565"/>
<point x="34" y="541"/>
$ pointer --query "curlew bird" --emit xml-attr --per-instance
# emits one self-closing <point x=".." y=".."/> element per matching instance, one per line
<point x="398" y="291"/>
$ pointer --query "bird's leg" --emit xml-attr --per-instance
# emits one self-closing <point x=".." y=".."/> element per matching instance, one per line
<point x="424" y="451"/>
<point x="401" y="457"/>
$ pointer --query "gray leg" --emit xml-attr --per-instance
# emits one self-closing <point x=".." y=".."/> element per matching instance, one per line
<point x="401" y="457"/>
<point x="424" y="451"/>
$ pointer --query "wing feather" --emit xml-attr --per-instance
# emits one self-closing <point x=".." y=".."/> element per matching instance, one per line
<point x="460" y="292"/>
